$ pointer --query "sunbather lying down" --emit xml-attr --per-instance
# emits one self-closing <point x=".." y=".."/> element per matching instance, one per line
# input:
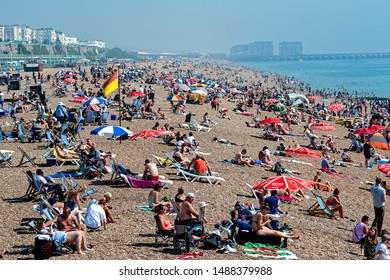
<point x="224" y="141"/>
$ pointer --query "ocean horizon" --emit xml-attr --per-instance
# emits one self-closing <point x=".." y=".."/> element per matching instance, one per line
<point x="364" y="76"/>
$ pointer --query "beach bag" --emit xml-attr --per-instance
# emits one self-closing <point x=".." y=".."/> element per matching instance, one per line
<point x="212" y="241"/>
<point x="277" y="168"/>
<point x="55" y="248"/>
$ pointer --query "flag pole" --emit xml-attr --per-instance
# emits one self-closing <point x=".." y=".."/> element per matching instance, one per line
<point x="120" y="103"/>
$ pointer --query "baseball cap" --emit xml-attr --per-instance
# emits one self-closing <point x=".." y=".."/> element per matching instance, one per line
<point x="190" y="195"/>
<point x="385" y="237"/>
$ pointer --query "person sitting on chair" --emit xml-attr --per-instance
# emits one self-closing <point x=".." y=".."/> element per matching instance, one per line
<point x="61" y="153"/>
<point x="46" y="186"/>
<point x="334" y="203"/>
<point x="200" y="166"/>
<point x="163" y="222"/>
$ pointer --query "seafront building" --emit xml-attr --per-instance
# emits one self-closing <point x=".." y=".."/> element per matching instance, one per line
<point x="290" y="48"/>
<point x="49" y="36"/>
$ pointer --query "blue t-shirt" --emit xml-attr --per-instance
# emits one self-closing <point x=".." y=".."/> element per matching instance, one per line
<point x="325" y="163"/>
<point x="272" y="202"/>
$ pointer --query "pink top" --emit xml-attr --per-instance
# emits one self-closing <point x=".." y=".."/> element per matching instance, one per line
<point x="358" y="232"/>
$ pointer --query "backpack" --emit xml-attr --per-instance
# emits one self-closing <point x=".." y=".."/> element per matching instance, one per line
<point x="212" y="241"/>
<point x="277" y="168"/>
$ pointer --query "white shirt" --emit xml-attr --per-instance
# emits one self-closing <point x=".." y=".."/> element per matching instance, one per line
<point x="385" y="254"/>
<point x="95" y="216"/>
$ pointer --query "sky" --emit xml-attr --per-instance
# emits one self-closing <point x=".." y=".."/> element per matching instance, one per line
<point x="212" y="26"/>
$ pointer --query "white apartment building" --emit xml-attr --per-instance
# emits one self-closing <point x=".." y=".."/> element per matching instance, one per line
<point x="12" y="33"/>
<point x="27" y="34"/>
<point x="69" y="40"/>
<point x="46" y="36"/>
<point x="93" y="43"/>
<point x="2" y="33"/>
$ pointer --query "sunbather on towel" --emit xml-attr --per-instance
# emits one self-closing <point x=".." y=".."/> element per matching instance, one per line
<point x="151" y="171"/>
<point x="153" y="200"/>
<point x="224" y="141"/>
<point x="243" y="158"/>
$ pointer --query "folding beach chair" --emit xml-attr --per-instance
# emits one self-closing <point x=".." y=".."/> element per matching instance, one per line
<point x="164" y="235"/>
<point x="23" y="137"/>
<point x="134" y="182"/>
<point x="26" y="158"/>
<point x="162" y="162"/>
<point x="61" y="161"/>
<point x="191" y="177"/>
<point x="5" y="157"/>
<point x="197" y="127"/>
<point x="320" y="209"/>
<point x="78" y="131"/>
<point x="253" y="192"/>
<point x="66" y="142"/>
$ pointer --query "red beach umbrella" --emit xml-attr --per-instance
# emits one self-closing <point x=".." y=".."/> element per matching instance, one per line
<point x="150" y="133"/>
<point x="136" y="94"/>
<point x="271" y="100"/>
<point x="270" y="120"/>
<point x="303" y="152"/>
<point x="80" y="99"/>
<point x="283" y="182"/>
<point x="384" y="168"/>
<point x="335" y="107"/>
<point x="69" y="80"/>
<point x="323" y="126"/>
<point x="376" y="127"/>
<point x="364" y="131"/>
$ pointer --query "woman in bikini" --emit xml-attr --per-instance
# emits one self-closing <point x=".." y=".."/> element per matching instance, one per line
<point x="163" y="222"/>
<point x="260" y="225"/>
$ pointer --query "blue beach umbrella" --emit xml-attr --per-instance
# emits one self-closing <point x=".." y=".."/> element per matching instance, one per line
<point x="3" y="112"/>
<point x="111" y="131"/>
<point x="94" y="100"/>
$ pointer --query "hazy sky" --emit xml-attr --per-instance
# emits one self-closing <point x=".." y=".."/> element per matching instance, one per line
<point x="324" y="26"/>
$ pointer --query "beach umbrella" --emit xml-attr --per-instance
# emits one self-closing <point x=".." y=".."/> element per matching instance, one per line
<point x="68" y="75"/>
<point x="363" y="131"/>
<point x="136" y="94"/>
<point x="376" y="127"/>
<point x="303" y="152"/>
<point x="69" y="80"/>
<point x="3" y="112"/>
<point x="174" y="98"/>
<point x="198" y="91"/>
<point x="198" y="85"/>
<point x="95" y="100"/>
<point x="184" y="87"/>
<point x="283" y="182"/>
<point x="271" y="100"/>
<point x="384" y="168"/>
<point x="111" y="131"/>
<point x="151" y="133"/>
<point x="80" y="99"/>
<point x="335" y="107"/>
<point x="270" y="120"/>
<point x="378" y="141"/>
<point x="323" y="126"/>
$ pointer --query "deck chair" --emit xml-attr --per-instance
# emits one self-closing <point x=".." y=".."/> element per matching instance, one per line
<point x="191" y="177"/>
<point x="134" y="182"/>
<point x="197" y="127"/>
<point x="23" y="137"/>
<point x="174" y="162"/>
<point x="61" y="161"/>
<point x="184" y="125"/>
<point x="66" y="141"/>
<point x="162" y="162"/>
<point x="253" y="192"/>
<point x="26" y="158"/>
<point x="34" y="188"/>
<point x="49" y="136"/>
<point x="78" y="131"/>
<point x="5" y="157"/>
<point x="320" y="209"/>
<point x="164" y="235"/>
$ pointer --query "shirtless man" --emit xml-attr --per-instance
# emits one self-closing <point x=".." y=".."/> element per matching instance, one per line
<point x="187" y="211"/>
<point x="151" y="171"/>
<point x="242" y="158"/>
<point x="68" y="222"/>
<point x="61" y="153"/>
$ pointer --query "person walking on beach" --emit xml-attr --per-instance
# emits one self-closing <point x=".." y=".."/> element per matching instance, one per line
<point x="379" y="200"/>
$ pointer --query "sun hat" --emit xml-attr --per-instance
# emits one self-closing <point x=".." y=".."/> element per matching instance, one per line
<point x="385" y="237"/>
<point x="202" y="204"/>
<point x="109" y="195"/>
<point x="190" y="195"/>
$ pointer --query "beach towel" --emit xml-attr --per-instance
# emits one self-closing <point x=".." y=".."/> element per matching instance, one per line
<point x="66" y="174"/>
<point x="329" y="172"/>
<point x="189" y="256"/>
<point x="259" y="250"/>
<point x="296" y="161"/>
<point x="139" y="183"/>
<point x="225" y="161"/>
<point x="287" y="199"/>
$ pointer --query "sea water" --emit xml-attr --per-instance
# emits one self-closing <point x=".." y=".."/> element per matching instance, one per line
<point x="369" y="76"/>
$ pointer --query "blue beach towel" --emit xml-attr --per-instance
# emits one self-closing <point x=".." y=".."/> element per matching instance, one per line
<point x="65" y="174"/>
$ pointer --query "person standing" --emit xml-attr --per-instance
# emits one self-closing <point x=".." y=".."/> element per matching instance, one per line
<point x="379" y="200"/>
<point x="1" y="99"/>
<point x="367" y="152"/>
